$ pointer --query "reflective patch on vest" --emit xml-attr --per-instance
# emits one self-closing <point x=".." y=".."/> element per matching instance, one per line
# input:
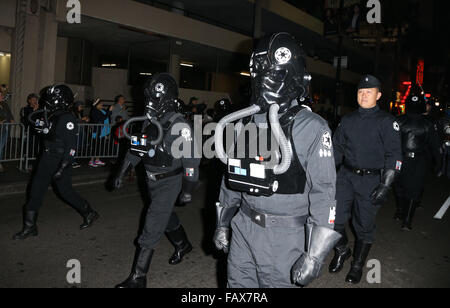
<point x="190" y="172"/>
<point x="72" y="153"/>
<point x="398" y="165"/>
<point x="332" y="216"/>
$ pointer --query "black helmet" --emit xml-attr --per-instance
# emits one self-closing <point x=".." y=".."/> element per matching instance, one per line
<point x="180" y="105"/>
<point x="56" y="97"/>
<point x="278" y="72"/>
<point x="447" y="110"/>
<point x="223" y="105"/>
<point x="161" y="92"/>
<point x="415" y="103"/>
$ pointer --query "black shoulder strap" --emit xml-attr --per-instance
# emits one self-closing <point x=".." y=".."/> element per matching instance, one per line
<point x="171" y="120"/>
<point x="290" y="115"/>
<point x="247" y="120"/>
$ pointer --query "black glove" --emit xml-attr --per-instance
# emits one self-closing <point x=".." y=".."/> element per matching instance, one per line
<point x="320" y="241"/>
<point x="222" y="235"/>
<point x="117" y="181"/>
<point x="379" y="195"/>
<point x="60" y="171"/>
<point x="188" y="187"/>
<point x="185" y="198"/>
<point x="186" y="191"/>
<point x="222" y="239"/>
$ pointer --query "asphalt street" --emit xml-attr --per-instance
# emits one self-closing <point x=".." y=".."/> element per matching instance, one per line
<point x="420" y="258"/>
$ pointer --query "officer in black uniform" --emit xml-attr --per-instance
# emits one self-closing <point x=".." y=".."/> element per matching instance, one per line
<point x="165" y="131"/>
<point x="60" y="131"/>
<point x="284" y="193"/>
<point x="419" y="136"/>
<point x="367" y="150"/>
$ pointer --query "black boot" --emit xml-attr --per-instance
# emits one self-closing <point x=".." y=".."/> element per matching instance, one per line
<point x="179" y="240"/>
<point x="359" y="260"/>
<point x="399" y="213"/>
<point x="138" y="276"/>
<point x="89" y="216"/>
<point x="406" y="225"/>
<point x="341" y="253"/>
<point x="29" y="226"/>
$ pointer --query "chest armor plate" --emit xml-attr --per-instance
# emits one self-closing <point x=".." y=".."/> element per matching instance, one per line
<point x="53" y="138"/>
<point x="252" y="175"/>
<point x="154" y="155"/>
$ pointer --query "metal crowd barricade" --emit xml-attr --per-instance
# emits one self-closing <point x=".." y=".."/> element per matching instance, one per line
<point x="11" y="142"/>
<point x="32" y="144"/>
<point x="91" y="143"/>
<point x="97" y="140"/>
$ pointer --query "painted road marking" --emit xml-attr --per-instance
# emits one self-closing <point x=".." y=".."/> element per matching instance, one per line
<point x="443" y="209"/>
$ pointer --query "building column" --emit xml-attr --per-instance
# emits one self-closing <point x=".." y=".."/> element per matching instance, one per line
<point x="34" y="52"/>
<point x="46" y="50"/>
<point x="174" y="67"/>
<point x="257" y="19"/>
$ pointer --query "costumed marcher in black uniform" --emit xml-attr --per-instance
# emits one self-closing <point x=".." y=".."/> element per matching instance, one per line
<point x="222" y="108"/>
<point x="444" y="128"/>
<point x="60" y="130"/>
<point x="286" y="195"/>
<point x="368" y="153"/>
<point x="168" y="173"/>
<point x="419" y="137"/>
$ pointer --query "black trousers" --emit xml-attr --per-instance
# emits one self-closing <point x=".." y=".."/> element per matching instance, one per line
<point x="411" y="181"/>
<point x="353" y="202"/>
<point x="160" y="216"/>
<point x="48" y="165"/>
<point x="447" y="161"/>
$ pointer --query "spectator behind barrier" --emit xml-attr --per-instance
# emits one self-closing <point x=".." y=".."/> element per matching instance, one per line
<point x="99" y="116"/>
<point x="5" y="117"/>
<point x="32" y="138"/>
<point x="119" y="109"/>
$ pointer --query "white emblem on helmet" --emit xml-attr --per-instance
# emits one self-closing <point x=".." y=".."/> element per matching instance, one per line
<point x="70" y="126"/>
<point x="283" y="55"/>
<point x="396" y="126"/>
<point x="415" y="99"/>
<point x="159" y="87"/>
<point x="186" y="134"/>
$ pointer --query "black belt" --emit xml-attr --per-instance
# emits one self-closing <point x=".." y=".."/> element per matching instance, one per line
<point x="159" y="176"/>
<point x="54" y="150"/>
<point x="268" y="221"/>
<point x="363" y="172"/>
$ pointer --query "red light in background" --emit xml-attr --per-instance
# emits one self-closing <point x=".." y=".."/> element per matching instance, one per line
<point x="407" y="93"/>
<point x="427" y="95"/>
<point x="407" y="83"/>
<point x="420" y="71"/>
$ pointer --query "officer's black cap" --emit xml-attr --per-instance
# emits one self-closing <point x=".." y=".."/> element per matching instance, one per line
<point x="369" y="81"/>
